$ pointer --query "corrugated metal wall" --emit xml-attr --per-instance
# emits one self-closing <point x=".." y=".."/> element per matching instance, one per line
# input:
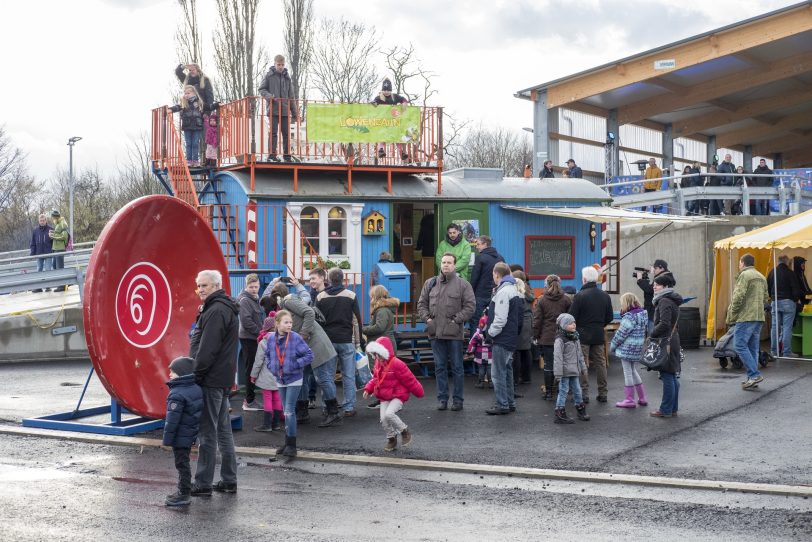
<point x="509" y="227"/>
<point x="586" y="126"/>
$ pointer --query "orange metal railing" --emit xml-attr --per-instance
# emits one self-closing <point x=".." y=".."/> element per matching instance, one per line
<point x="167" y="154"/>
<point x="245" y="132"/>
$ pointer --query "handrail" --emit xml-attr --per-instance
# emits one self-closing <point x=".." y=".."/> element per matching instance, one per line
<point x="167" y="153"/>
<point x="245" y="130"/>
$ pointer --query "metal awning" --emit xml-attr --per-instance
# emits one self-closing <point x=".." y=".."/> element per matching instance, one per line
<point x="611" y="215"/>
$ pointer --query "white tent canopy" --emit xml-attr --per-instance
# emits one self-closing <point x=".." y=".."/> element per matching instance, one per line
<point x="610" y="215"/>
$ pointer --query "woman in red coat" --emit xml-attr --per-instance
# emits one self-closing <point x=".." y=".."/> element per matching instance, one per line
<point x="391" y="384"/>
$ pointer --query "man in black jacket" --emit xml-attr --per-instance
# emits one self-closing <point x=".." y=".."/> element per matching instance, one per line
<point x="214" y="349"/>
<point x="340" y="306"/>
<point x="482" y="276"/>
<point x="592" y="310"/>
<point x="760" y="205"/>
<point x="784" y="304"/>
<point x="659" y="267"/>
<point x="41" y="243"/>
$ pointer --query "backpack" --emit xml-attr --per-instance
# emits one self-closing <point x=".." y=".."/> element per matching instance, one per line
<point x="320" y="319"/>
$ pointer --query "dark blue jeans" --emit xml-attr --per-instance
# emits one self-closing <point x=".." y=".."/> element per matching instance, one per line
<point x="448" y="351"/>
<point x="670" y="402"/>
<point x="192" y="139"/>
<point x="746" y="337"/>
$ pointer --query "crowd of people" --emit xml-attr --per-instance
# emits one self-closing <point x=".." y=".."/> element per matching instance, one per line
<point x="296" y="341"/>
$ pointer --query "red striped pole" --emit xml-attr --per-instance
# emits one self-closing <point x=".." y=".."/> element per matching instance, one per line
<point x="251" y="234"/>
<point x="603" y="255"/>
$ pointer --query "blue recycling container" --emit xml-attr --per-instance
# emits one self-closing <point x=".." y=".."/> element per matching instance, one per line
<point x="396" y="278"/>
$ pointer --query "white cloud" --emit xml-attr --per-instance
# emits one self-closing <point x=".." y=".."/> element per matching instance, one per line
<point x="96" y="68"/>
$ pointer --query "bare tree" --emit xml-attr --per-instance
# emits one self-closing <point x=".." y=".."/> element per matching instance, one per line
<point x="240" y="61"/>
<point x="342" y="67"/>
<point x="135" y="179"/>
<point x="492" y="148"/>
<point x="405" y="68"/>
<point x="298" y="42"/>
<point x="94" y="202"/>
<point x="18" y="195"/>
<point x="187" y="35"/>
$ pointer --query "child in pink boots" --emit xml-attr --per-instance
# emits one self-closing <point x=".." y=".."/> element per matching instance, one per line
<point x="628" y="344"/>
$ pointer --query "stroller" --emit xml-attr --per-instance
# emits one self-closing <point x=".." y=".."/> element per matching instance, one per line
<point x="726" y="353"/>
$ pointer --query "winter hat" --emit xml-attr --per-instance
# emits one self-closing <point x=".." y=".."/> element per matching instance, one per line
<point x="662" y="264"/>
<point x="564" y="319"/>
<point x="55" y="212"/>
<point x="568" y="289"/>
<point x="664" y="280"/>
<point x="269" y="323"/>
<point x="182" y="366"/>
<point x="374" y="347"/>
<point x="387" y="85"/>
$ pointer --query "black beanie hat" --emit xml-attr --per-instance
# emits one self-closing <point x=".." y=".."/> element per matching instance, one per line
<point x="387" y="85"/>
<point x="664" y="280"/>
<point x="182" y="366"/>
<point x="662" y="264"/>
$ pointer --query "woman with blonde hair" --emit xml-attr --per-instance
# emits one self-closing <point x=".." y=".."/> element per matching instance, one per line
<point x="383" y="310"/>
<point x="548" y="307"/>
<point x="191" y="122"/>
<point x="628" y="344"/>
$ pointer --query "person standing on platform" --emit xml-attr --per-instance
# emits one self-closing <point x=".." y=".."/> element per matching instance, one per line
<point x="547" y="170"/>
<point x="446" y="302"/>
<point x="573" y="171"/>
<point x="761" y="206"/>
<point x="277" y="89"/>
<point x="653" y="177"/>
<point x="746" y="312"/>
<point x="454" y="243"/>
<point x="214" y="349"/>
<point x="727" y="180"/>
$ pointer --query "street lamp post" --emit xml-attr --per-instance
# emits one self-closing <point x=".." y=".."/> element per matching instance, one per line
<point x="71" y="142"/>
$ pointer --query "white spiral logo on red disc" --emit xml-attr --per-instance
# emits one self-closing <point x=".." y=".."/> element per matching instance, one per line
<point x="143" y="305"/>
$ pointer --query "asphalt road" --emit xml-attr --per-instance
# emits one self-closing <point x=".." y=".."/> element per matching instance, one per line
<point x="64" y="490"/>
<point x="61" y="490"/>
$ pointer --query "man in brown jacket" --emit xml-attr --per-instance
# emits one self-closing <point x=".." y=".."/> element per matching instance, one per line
<point x="446" y="303"/>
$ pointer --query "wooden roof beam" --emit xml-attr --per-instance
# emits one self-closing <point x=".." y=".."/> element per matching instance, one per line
<point x="747" y="135"/>
<point x="798" y="158"/>
<point x="716" y="88"/>
<point x="751" y="60"/>
<point x="690" y="53"/>
<point x="669" y="86"/>
<point x="702" y="122"/>
<point x="782" y="143"/>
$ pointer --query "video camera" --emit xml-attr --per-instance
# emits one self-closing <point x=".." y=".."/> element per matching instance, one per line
<point x="640" y="273"/>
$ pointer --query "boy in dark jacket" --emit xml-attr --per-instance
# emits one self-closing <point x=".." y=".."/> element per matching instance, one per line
<point x="184" y="405"/>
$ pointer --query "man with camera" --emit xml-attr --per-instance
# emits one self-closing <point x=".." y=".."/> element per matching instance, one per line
<point x="645" y="278"/>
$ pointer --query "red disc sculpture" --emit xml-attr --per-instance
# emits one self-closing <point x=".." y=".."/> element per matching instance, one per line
<point x="139" y="297"/>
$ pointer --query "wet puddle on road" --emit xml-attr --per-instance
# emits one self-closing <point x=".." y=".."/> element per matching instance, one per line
<point x="16" y="473"/>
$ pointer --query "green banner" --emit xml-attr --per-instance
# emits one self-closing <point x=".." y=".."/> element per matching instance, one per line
<point x="362" y="123"/>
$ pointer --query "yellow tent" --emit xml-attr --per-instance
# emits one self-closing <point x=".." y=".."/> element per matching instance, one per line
<point x="792" y="237"/>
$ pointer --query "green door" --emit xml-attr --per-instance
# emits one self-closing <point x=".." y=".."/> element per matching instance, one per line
<point x="472" y="216"/>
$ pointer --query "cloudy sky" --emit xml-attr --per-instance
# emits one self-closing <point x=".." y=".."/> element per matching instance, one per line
<point x="95" y="68"/>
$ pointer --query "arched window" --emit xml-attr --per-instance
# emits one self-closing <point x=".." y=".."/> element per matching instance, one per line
<point x="337" y="232"/>
<point x="309" y="222"/>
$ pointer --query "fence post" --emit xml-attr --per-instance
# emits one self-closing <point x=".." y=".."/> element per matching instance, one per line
<point x="745" y="199"/>
<point x="795" y="206"/>
<point x="679" y="195"/>
<point x="782" y="198"/>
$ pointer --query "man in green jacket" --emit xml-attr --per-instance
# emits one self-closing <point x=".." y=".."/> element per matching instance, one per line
<point x="746" y="312"/>
<point x="455" y="244"/>
<point x="60" y="242"/>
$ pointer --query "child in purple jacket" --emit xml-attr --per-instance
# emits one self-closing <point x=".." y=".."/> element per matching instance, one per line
<point x="286" y="355"/>
<point x="482" y="353"/>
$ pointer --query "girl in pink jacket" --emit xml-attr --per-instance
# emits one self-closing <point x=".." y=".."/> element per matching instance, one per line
<point x="391" y="384"/>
